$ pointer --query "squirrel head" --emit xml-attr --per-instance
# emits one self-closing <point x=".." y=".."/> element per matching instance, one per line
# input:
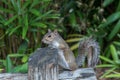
<point x="50" y="36"/>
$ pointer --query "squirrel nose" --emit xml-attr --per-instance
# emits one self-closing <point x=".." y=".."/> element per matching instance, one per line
<point x="42" y="40"/>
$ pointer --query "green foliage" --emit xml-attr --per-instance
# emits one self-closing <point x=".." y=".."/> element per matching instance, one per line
<point x="112" y="64"/>
<point x="21" y="68"/>
<point x="75" y="39"/>
<point x="22" y="24"/>
<point x="107" y="2"/>
<point x="95" y="20"/>
<point x="117" y="75"/>
<point x="111" y="28"/>
<point x="26" y="14"/>
<point x="3" y="63"/>
<point x="10" y="63"/>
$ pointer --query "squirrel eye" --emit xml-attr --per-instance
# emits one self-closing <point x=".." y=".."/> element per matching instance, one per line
<point x="49" y="36"/>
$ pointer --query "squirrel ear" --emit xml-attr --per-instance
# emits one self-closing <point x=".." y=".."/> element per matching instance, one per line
<point x="55" y="31"/>
<point x="49" y="30"/>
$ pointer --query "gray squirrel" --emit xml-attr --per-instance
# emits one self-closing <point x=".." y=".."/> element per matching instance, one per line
<point x="88" y="48"/>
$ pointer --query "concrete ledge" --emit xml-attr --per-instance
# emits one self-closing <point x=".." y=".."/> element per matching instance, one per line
<point x="79" y="74"/>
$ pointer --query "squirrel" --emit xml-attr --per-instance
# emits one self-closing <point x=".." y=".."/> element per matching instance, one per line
<point x="56" y="41"/>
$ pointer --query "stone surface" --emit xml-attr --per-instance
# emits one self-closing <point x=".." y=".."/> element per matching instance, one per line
<point x="79" y="74"/>
<point x="15" y="76"/>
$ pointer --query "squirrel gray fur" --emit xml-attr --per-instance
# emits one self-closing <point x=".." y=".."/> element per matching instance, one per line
<point x="54" y="40"/>
<point x="90" y="50"/>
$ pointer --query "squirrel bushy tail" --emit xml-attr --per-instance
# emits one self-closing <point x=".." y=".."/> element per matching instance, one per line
<point x="88" y="50"/>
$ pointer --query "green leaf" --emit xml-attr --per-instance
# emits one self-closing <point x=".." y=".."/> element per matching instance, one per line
<point x="75" y="35"/>
<point x="4" y="1"/>
<point x="73" y="19"/>
<point x="25" y="58"/>
<point x="106" y="59"/>
<point x="107" y="2"/>
<point x="6" y="10"/>
<point x="52" y="16"/>
<point x="13" y="2"/>
<point x="105" y="65"/>
<point x="15" y="55"/>
<point x="35" y="2"/>
<point x="108" y="71"/>
<point x="9" y="29"/>
<point x="23" y="47"/>
<point x="73" y="40"/>
<point x="10" y="20"/>
<point x="107" y="51"/>
<point x="75" y="46"/>
<point x="9" y="64"/>
<point x="116" y="43"/>
<point x="118" y="7"/>
<point x="35" y="12"/>
<point x="19" y="6"/>
<point x="1" y="70"/>
<point x="3" y="62"/>
<point x="14" y="5"/>
<point x="14" y="30"/>
<point x="26" y="4"/>
<point x="44" y="15"/>
<point x="114" y="53"/>
<point x="80" y="14"/>
<point x="21" y="68"/>
<point x="25" y="28"/>
<point x="51" y="25"/>
<point x="115" y="30"/>
<point x="111" y="19"/>
<point x="38" y="24"/>
<point x="117" y="75"/>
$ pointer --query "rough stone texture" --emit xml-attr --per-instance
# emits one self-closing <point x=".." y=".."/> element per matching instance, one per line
<point x="79" y="74"/>
<point x="15" y="76"/>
